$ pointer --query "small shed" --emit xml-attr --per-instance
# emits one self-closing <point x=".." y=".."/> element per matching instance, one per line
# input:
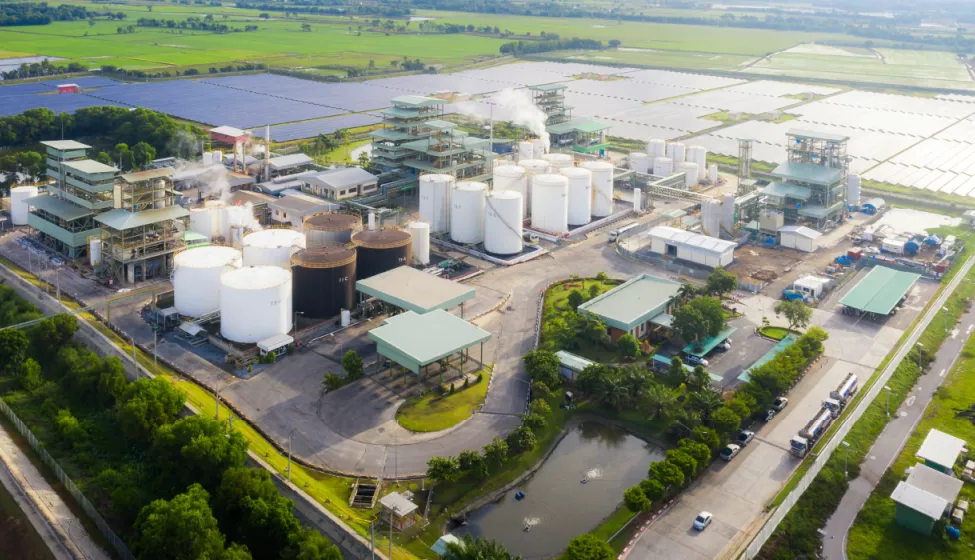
<point x="440" y="547"/>
<point x="874" y="205"/>
<point x="800" y="238"/>
<point x="69" y="88"/>
<point x="924" y="498"/>
<point x="275" y="343"/>
<point x="812" y="286"/>
<point x="398" y="510"/>
<point x="571" y="365"/>
<point x="940" y="451"/>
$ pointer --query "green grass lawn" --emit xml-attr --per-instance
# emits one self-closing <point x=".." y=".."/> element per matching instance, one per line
<point x="557" y="301"/>
<point x="777" y="333"/>
<point x="433" y="412"/>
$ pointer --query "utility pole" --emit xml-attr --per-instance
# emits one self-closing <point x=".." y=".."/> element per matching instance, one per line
<point x="887" y="403"/>
<point x="291" y="433"/>
<point x="134" y="360"/>
<point x="155" y="343"/>
<point x="57" y="280"/>
<point x="846" y="459"/>
<point x="920" y="351"/>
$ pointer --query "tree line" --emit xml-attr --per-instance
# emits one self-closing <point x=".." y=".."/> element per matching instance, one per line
<point x="121" y="442"/>
<point x="206" y="23"/>
<point x="545" y="45"/>
<point x="331" y="9"/>
<point x="32" y="13"/>
<point x="42" y="68"/>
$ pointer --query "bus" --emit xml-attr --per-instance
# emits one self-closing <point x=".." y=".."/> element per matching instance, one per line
<point x="614" y="235"/>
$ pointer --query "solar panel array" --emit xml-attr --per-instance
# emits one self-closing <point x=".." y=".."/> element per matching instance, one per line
<point x="24" y="89"/>
<point x="309" y="129"/>
<point x="350" y="96"/>
<point x="780" y="89"/>
<point x="16" y="104"/>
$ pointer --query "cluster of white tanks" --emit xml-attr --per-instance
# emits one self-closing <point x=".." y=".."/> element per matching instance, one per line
<point x="196" y="278"/>
<point x="272" y="247"/>
<point x="664" y="159"/>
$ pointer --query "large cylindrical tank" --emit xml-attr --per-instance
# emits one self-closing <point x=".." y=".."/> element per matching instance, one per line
<point x="637" y="200"/>
<point x="580" y="195"/>
<point x="502" y="223"/>
<point x="510" y="178"/>
<point x="381" y="250"/>
<point x="532" y="167"/>
<point x="540" y="147"/>
<point x="711" y="217"/>
<point x="330" y="227"/>
<point x="435" y="191"/>
<point x="699" y="155"/>
<point x="196" y="278"/>
<point x="602" y="187"/>
<point x="467" y="212"/>
<point x="713" y="173"/>
<point x="853" y="190"/>
<point x="324" y="280"/>
<point x="676" y="151"/>
<point x="728" y="212"/>
<point x="219" y="225"/>
<point x="201" y="222"/>
<point x="640" y="162"/>
<point x="95" y="252"/>
<point x="526" y="150"/>
<point x="273" y="247"/>
<point x="663" y="167"/>
<point x="550" y="203"/>
<point x="255" y="303"/>
<point x="692" y="174"/>
<point x="656" y="147"/>
<point x="559" y="161"/>
<point x="18" y="203"/>
<point x="421" y="242"/>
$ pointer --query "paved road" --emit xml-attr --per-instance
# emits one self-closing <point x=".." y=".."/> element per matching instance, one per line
<point x="892" y="439"/>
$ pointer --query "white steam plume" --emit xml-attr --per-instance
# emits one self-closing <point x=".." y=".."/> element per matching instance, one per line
<point x="514" y="106"/>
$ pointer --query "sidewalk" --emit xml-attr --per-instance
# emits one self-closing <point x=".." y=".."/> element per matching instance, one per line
<point x="51" y="517"/>
<point x="892" y="439"/>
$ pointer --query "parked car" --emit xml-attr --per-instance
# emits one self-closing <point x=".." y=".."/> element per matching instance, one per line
<point x="725" y="345"/>
<point x="744" y="437"/>
<point x="695" y="361"/>
<point x="780" y="403"/>
<point x="702" y="520"/>
<point x="769" y="415"/>
<point x="730" y="451"/>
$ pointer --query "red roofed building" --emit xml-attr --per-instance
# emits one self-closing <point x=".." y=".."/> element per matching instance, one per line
<point x="228" y="135"/>
<point x="69" y="88"/>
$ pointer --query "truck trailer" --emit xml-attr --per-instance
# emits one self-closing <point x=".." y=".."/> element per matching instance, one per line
<point x="839" y="398"/>
<point x="802" y="443"/>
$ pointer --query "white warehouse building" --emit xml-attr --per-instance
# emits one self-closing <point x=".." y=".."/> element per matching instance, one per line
<point x="800" y="238"/>
<point x="691" y="247"/>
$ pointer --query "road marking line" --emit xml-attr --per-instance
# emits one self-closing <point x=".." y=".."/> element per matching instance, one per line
<point x="942" y="374"/>
<point x="910" y="400"/>
<point x="970" y="329"/>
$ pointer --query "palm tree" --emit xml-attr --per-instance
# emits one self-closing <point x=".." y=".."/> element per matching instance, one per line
<point x="660" y="399"/>
<point x="635" y="379"/>
<point x="705" y="402"/>
<point x="474" y="548"/>
<point x="686" y="292"/>
<point x="613" y="392"/>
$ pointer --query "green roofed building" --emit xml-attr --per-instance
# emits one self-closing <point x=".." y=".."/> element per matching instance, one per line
<point x="412" y="290"/>
<point x="638" y="306"/>
<point x="581" y="134"/>
<point x="415" y="341"/>
<point x="925" y="497"/>
<point x="879" y="292"/>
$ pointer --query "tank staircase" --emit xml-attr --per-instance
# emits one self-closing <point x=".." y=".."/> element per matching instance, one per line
<point x="364" y="494"/>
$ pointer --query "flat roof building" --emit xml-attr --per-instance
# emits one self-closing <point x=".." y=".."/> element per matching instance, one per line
<point x="292" y="209"/>
<point x="398" y="510"/>
<point x="940" y="451"/>
<point x="413" y="290"/>
<point x="637" y="306"/>
<point x="879" y="292"/>
<point x="341" y="184"/>
<point x="692" y="247"/>
<point x="228" y="135"/>
<point x="415" y="341"/>
<point x="924" y="498"/>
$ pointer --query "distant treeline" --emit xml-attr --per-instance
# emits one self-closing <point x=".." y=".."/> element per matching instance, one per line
<point x="533" y="47"/>
<point x="29" y="13"/>
<point x="192" y="22"/>
<point x="335" y="8"/>
<point x="42" y="68"/>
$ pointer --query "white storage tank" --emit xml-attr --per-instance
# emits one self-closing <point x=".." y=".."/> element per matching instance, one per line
<point x="540" y="147"/>
<point x="272" y="247"/>
<point x="676" y="151"/>
<point x="509" y="177"/>
<point x="580" y="195"/>
<point x="467" y="212"/>
<point x="692" y="174"/>
<point x="663" y="167"/>
<point x="532" y="167"/>
<point x="713" y="173"/>
<point x="95" y="252"/>
<point x="502" y="223"/>
<point x="526" y="150"/>
<point x="550" y="203"/>
<point x="421" y="242"/>
<point x="602" y="187"/>
<point x="640" y="162"/>
<point x="435" y="191"/>
<point x="201" y="222"/>
<point x="711" y="217"/>
<point x="255" y="303"/>
<point x="656" y="147"/>
<point x="559" y="161"/>
<point x="219" y="225"/>
<point x="196" y="278"/>
<point x="207" y="159"/>
<point x="699" y="155"/>
<point x="18" y="203"/>
<point x="728" y="212"/>
<point x="853" y="190"/>
<point x="637" y="200"/>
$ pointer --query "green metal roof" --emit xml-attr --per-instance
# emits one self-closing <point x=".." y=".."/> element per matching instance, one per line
<point x="709" y="343"/>
<point x="439" y="124"/>
<point x="819" y="212"/>
<point x="632" y="303"/>
<point x="120" y="219"/>
<point x="413" y="341"/>
<point x="549" y="87"/>
<point x="581" y="124"/>
<point x="89" y="166"/>
<point x="880" y="291"/>
<point x="817" y="135"/>
<point x="417" y="101"/>
<point x="767" y="357"/>
<point x="807" y="173"/>
<point x="413" y="290"/>
<point x="787" y="190"/>
<point x="59" y="207"/>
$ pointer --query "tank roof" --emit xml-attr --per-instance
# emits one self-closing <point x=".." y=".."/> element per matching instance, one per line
<point x="324" y="257"/>
<point x="274" y="238"/>
<point x="381" y="239"/>
<point x="207" y="257"/>
<point x="330" y="221"/>
<point x="255" y="277"/>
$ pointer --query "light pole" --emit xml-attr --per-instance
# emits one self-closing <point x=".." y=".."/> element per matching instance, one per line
<point x="296" y="323"/>
<point x="291" y="433"/>
<point x="944" y="318"/>
<point x="155" y="344"/>
<point x="57" y="280"/>
<point x="920" y="352"/>
<point x="887" y="402"/>
<point x="846" y="458"/>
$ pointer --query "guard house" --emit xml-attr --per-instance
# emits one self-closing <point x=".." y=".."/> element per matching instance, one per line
<point x="582" y="134"/>
<point x="811" y="185"/>
<point x="879" y="293"/>
<point x="415" y="341"/>
<point x="146" y="228"/>
<point x="638" y="306"/>
<point x="412" y="290"/>
<point x="924" y="498"/>
<point x="63" y="219"/>
<point x="940" y="451"/>
<point x="398" y="511"/>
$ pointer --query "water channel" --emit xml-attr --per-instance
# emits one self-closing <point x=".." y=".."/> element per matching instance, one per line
<point x="17" y="536"/>
<point x="557" y="504"/>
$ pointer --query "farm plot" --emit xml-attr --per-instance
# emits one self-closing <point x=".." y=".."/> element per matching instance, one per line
<point x="660" y="57"/>
<point x="310" y="129"/>
<point x="211" y="104"/>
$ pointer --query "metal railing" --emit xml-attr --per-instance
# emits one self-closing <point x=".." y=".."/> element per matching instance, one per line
<point x="80" y="499"/>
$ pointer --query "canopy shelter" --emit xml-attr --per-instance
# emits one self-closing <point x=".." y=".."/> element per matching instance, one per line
<point x="414" y="341"/>
<point x="880" y="291"/>
<point x="413" y="290"/>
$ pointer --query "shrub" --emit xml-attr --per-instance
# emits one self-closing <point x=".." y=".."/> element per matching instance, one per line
<point x="589" y="547"/>
<point x="521" y="439"/>
<point x="635" y="499"/>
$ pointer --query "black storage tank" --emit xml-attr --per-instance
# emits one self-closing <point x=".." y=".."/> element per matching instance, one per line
<point x="382" y="250"/>
<point x="326" y="228"/>
<point x="323" y="280"/>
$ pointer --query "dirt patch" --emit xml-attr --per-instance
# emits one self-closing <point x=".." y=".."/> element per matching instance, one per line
<point x="765" y="264"/>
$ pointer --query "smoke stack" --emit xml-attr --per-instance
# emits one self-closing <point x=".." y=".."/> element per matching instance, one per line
<point x="267" y="152"/>
<point x="372" y="221"/>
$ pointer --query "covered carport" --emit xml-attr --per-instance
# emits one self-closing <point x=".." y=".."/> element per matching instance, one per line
<point x="415" y="341"/>
<point x="879" y="293"/>
<point x="413" y="290"/>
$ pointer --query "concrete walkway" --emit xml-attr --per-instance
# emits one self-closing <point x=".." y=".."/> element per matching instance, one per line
<point x="891" y="441"/>
<point x="51" y="517"/>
